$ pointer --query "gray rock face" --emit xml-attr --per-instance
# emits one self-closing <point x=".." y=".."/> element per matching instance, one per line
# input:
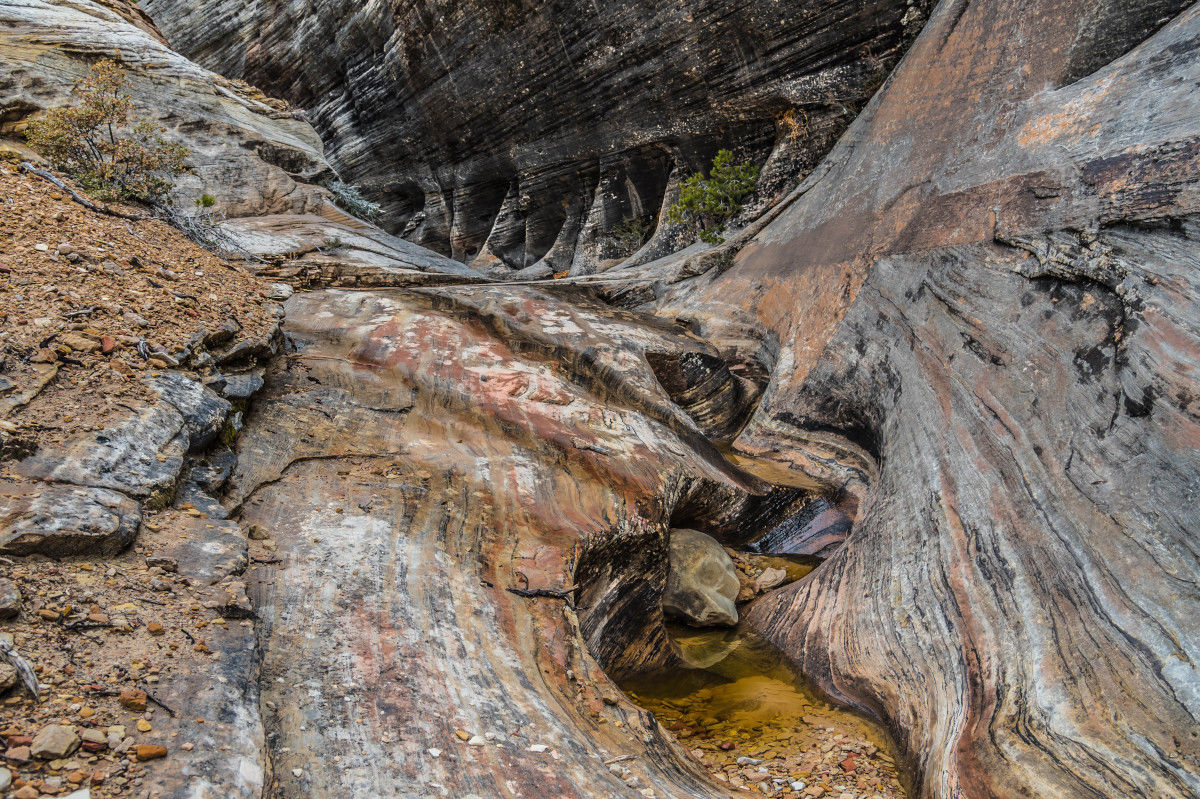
<point x="143" y="455"/>
<point x="336" y="249"/>
<point x="702" y="583"/>
<point x="61" y="520"/>
<point x="506" y="133"/>
<point x="138" y="457"/>
<point x="979" y="323"/>
<point x="239" y="386"/>
<point x="211" y="549"/>
<point x="202" y="410"/>
<point x="258" y="159"/>
<point x="10" y="599"/>
<point x="991" y="353"/>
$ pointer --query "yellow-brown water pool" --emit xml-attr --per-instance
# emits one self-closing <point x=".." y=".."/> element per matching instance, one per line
<point x="743" y="712"/>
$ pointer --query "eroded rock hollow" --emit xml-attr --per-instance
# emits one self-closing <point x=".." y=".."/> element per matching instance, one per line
<point x="951" y="348"/>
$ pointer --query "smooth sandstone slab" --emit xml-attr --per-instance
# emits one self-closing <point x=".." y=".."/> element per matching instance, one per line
<point x="411" y="466"/>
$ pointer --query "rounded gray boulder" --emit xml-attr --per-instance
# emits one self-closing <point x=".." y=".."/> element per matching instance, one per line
<point x="702" y="582"/>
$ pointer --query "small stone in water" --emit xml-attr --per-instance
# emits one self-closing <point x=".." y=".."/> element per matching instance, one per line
<point x="539" y="748"/>
<point x="476" y="740"/>
<point x="727" y="745"/>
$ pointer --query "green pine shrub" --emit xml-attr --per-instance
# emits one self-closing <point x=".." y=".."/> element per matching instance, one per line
<point x="707" y="203"/>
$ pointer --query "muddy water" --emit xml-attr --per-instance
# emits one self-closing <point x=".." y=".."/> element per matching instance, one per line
<point x="740" y="702"/>
<point x="794" y="566"/>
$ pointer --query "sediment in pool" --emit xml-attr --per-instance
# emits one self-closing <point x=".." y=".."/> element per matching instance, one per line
<point x="751" y="719"/>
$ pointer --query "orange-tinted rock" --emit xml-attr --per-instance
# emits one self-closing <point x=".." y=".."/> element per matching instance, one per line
<point x="150" y="751"/>
<point x="133" y="699"/>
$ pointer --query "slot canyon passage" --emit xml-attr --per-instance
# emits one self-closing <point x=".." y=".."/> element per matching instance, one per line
<point x="390" y="511"/>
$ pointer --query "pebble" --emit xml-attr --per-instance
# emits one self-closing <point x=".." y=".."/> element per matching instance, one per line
<point x="96" y="737"/>
<point x="476" y="740"/>
<point x="133" y="699"/>
<point x="539" y="748"/>
<point x="54" y="741"/>
<point x="8" y="677"/>
<point x="149" y="751"/>
<point x="20" y="754"/>
<point x="434" y="752"/>
<point x="5" y="779"/>
<point x="280" y="291"/>
<point x="28" y="792"/>
<point x="297" y="772"/>
<point x="143" y="725"/>
<point x="163" y="562"/>
<point x="770" y="578"/>
<point x="79" y="343"/>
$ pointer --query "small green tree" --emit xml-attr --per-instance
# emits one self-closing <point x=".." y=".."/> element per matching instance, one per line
<point x="631" y="233"/>
<point x="707" y="203"/>
<point x="104" y="146"/>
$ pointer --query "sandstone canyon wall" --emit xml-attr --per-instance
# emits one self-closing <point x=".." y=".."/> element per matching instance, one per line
<point x="255" y="155"/>
<point x="985" y="311"/>
<point x="973" y="328"/>
<point x="509" y="132"/>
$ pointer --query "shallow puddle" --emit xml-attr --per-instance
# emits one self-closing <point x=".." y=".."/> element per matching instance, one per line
<point x="795" y="566"/>
<point x="754" y="722"/>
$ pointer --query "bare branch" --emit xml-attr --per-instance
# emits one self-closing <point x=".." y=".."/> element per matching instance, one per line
<point x="76" y="196"/>
<point x="10" y="654"/>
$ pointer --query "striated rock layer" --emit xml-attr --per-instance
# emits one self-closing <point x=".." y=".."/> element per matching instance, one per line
<point x="513" y="133"/>
<point x="470" y="506"/>
<point x="973" y="331"/>
<point x="259" y="160"/>
<point x="983" y="330"/>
